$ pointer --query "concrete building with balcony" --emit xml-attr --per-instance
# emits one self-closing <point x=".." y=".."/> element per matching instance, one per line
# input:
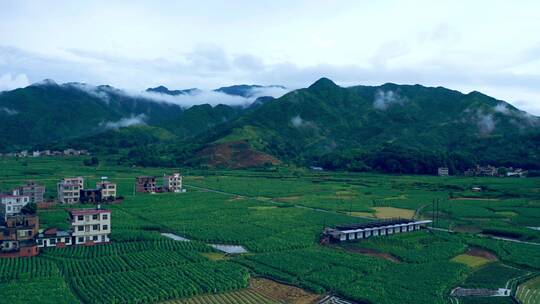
<point x="90" y="226"/>
<point x="145" y="184"/>
<point x="69" y="190"/>
<point x="17" y="236"/>
<point x="91" y="196"/>
<point x="108" y="190"/>
<point x="34" y="191"/>
<point x="12" y="204"/>
<point x="172" y="183"/>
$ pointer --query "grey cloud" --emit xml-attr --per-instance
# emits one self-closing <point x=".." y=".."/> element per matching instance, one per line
<point x="8" y="111"/>
<point x="297" y="121"/>
<point x="197" y="97"/>
<point x="211" y="66"/>
<point x="486" y="123"/>
<point x="384" y="99"/>
<point x="10" y="82"/>
<point x="125" y="122"/>
<point x="502" y="108"/>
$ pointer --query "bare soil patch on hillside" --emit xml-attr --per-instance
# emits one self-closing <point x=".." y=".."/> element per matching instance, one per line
<point x="282" y="292"/>
<point x="479" y="252"/>
<point x="235" y="155"/>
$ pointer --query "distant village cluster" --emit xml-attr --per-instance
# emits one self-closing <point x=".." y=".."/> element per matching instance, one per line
<point x="21" y="236"/>
<point x="37" y="153"/>
<point x="487" y="171"/>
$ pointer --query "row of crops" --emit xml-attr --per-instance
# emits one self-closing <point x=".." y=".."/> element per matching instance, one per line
<point x="359" y="277"/>
<point x="234" y="297"/>
<point x="417" y="247"/>
<point x="14" y="268"/>
<point x="121" y="248"/>
<point x="159" y="284"/>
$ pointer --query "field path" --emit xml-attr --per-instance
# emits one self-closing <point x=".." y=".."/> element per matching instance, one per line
<point x="488" y="236"/>
<point x="270" y="201"/>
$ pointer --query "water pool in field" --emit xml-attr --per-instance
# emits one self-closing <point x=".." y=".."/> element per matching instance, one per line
<point x="175" y="237"/>
<point x="231" y="249"/>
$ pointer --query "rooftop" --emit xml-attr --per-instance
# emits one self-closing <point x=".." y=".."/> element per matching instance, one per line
<point x="76" y="212"/>
<point x="374" y="224"/>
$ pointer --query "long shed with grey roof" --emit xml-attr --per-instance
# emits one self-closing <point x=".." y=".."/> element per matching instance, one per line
<point x="342" y="233"/>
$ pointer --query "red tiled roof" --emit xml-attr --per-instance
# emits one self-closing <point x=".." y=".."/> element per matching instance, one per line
<point x="87" y="211"/>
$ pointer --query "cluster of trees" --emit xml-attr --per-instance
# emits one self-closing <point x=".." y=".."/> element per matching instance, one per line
<point x="396" y="159"/>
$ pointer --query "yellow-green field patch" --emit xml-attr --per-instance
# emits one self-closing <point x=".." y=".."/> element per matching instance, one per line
<point x="215" y="256"/>
<point x="287" y="199"/>
<point x="470" y="260"/>
<point x="529" y="292"/>
<point x="506" y="213"/>
<point x="391" y="212"/>
<point x="403" y="196"/>
<point x="361" y="214"/>
<point x="262" y="207"/>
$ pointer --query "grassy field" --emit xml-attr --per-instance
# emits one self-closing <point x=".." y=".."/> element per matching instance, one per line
<point x="470" y="260"/>
<point x="278" y="217"/>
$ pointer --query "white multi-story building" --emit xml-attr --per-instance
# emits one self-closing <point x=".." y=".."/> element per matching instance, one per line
<point x="69" y="190"/>
<point x="90" y="226"/>
<point x="12" y="204"/>
<point x="172" y="183"/>
<point x="108" y="190"/>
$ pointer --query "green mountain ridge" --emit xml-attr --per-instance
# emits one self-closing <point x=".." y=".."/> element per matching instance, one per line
<point x="391" y="127"/>
<point x="345" y="128"/>
<point x="46" y="113"/>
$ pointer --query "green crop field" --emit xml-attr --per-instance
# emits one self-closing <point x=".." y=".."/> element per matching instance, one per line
<point x="278" y="217"/>
<point x="529" y="292"/>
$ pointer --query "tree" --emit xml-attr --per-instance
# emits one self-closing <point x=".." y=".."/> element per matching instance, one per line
<point x="92" y="162"/>
<point x="30" y="208"/>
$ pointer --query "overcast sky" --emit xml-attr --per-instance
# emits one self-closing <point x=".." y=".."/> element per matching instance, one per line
<point x="488" y="46"/>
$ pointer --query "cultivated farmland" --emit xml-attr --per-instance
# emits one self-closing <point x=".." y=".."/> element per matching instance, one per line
<point x="278" y="217"/>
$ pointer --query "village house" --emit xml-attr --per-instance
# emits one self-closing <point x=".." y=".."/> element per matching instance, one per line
<point x="370" y="229"/>
<point x="482" y="171"/>
<point x="108" y="190"/>
<point x="34" y="191"/>
<point x="69" y="190"/>
<point x="92" y="196"/>
<point x="518" y="172"/>
<point x="90" y="226"/>
<point x="12" y="204"/>
<point x="442" y="171"/>
<point x="53" y="237"/>
<point x="145" y="184"/>
<point x="172" y="183"/>
<point x="17" y="236"/>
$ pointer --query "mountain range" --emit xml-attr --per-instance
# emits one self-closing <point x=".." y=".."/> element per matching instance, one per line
<point x="393" y="128"/>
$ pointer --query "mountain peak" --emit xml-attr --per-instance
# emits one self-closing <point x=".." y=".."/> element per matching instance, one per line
<point x="164" y="90"/>
<point x="323" y="83"/>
